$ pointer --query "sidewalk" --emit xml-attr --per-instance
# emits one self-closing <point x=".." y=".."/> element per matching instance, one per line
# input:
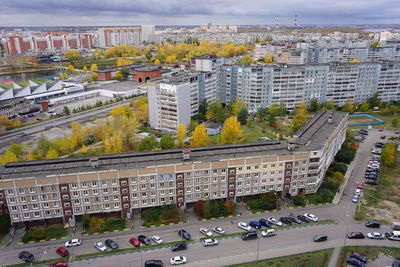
<point x="334" y="258"/>
<point x="347" y="176"/>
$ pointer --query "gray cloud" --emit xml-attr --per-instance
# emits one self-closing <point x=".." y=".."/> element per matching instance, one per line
<point x="125" y="12"/>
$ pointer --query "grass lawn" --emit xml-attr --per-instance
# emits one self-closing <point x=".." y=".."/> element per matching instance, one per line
<point x="51" y="232"/>
<point x="319" y="258"/>
<point x="382" y="202"/>
<point x="109" y="225"/>
<point x="386" y="118"/>
<point x="371" y="252"/>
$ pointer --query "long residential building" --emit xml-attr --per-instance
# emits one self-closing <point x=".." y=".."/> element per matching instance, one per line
<point x="59" y="190"/>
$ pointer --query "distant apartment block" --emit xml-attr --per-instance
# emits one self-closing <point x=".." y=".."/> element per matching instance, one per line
<point x="51" y="191"/>
<point x="109" y="37"/>
<point x="47" y="42"/>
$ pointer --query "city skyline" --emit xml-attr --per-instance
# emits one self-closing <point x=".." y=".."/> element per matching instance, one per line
<point x="176" y="12"/>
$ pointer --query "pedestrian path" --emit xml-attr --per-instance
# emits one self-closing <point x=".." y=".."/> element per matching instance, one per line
<point x="335" y="256"/>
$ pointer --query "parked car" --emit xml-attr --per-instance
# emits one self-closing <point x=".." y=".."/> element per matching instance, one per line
<point x="355" y="235"/>
<point x="249" y="236"/>
<point x="285" y="220"/>
<point x="397" y="132"/>
<point x="359" y="257"/>
<point x="394" y="235"/>
<point x="63" y="252"/>
<point x="153" y="263"/>
<point x="210" y="242"/>
<point x="219" y="230"/>
<point x="375" y="235"/>
<point x="303" y="218"/>
<point x="205" y="231"/>
<point x="275" y="221"/>
<point x="371" y="182"/>
<point x="59" y="264"/>
<point x="355" y="198"/>
<point x="383" y="137"/>
<point x="100" y="246"/>
<point x="144" y="240"/>
<point x="320" y="238"/>
<point x="73" y="243"/>
<point x="312" y="217"/>
<point x="26" y="256"/>
<point x="379" y="145"/>
<point x="294" y="219"/>
<point x="372" y="224"/>
<point x="134" y="241"/>
<point x="244" y="226"/>
<point x="360" y="185"/>
<point x="185" y="235"/>
<point x="268" y="232"/>
<point x="355" y="262"/>
<point x="111" y="244"/>
<point x="157" y="239"/>
<point x="357" y="192"/>
<point x="265" y="222"/>
<point x="179" y="246"/>
<point x="177" y="260"/>
<point x="255" y="224"/>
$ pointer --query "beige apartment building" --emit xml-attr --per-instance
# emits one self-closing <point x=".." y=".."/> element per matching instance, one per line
<point x="58" y="190"/>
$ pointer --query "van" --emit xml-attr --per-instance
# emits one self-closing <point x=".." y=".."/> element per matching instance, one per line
<point x="320" y="238"/>
<point x="394" y="235"/>
<point x="249" y="236"/>
<point x="153" y="263"/>
<point x="396" y="225"/>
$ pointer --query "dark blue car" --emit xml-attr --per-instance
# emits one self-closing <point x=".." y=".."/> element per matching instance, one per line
<point x="355" y="262"/>
<point x="255" y="224"/>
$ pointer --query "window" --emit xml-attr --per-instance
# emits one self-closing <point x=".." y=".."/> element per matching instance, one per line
<point x="87" y="208"/>
<point x="36" y="214"/>
<point x="56" y="203"/>
<point x="86" y="200"/>
<point x="12" y="200"/>
<point x="32" y="190"/>
<point x="15" y="217"/>
<point x="265" y="166"/>
<point x="64" y="189"/>
<point x="34" y="198"/>
<point x="144" y="202"/>
<point x="197" y="196"/>
<point x="53" y="187"/>
<point x="223" y="171"/>
<point x="65" y="197"/>
<point x="75" y="193"/>
<point x="196" y="173"/>
<point x="144" y="194"/>
<point x="74" y="186"/>
<point x="152" y="186"/>
<point x="134" y="195"/>
<point x="125" y="198"/>
<point x="153" y="193"/>
<point x="152" y="178"/>
<point x="66" y="205"/>
<point x="272" y="165"/>
<point x="143" y="187"/>
<point x="106" y="206"/>
<point x="23" y="199"/>
<point x="77" y="202"/>
<point x="153" y="201"/>
<point x="35" y="206"/>
<point x="256" y="167"/>
<point x="240" y="169"/>
<point x="133" y="180"/>
<point x="94" y="183"/>
<point x="84" y="184"/>
<point x="124" y="182"/>
<point x="10" y="192"/>
<point x="206" y="172"/>
<point x="85" y="192"/>
<point x="45" y="205"/>
<point x="106" y="198"/>
<point x="105" y="191"/>
<point x="26" y="215"/>
<point x="103" y="183"/>
<point x="57" y="211"/>
<point x="115" y="189"/>
<point x="15" y="208"/>
<point x="114" y="182"/>
<point x="215" y="171"/>
<point x="248" y="168"/>
<point x="116" y="198"/>
<point x="95" y="191"/>
<point x="170" y="191"/>
<point x="77" y="210"/>
<point x="171" y="184"/>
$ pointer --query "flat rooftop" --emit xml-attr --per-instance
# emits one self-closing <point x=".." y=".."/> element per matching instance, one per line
<point x="312" y="136"/>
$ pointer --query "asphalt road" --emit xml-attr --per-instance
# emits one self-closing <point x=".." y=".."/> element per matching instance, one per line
<point x="25" y="133"/>
<point x="230" y="250"/>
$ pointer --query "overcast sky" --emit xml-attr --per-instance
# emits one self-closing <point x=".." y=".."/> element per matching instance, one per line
<point x="178" y="12"/>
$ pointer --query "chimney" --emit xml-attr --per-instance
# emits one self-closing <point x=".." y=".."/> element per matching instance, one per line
<point x="94" y="162"/>
<point x="291" y="144"/>
<point x="186" y="154"/>
<point x="330" y="119"/>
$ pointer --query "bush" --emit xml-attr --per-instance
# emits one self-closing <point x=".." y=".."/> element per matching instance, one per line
<point x="4" y="224"/>
<point x="345" y="154"/>
<point x="38" y="234"/>
<point x="163" y="215"/>
<point x="298" y="200"/>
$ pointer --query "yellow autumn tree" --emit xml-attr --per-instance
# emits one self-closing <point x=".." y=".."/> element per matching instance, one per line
<point x="93" y="67"/>
<point x="181" y="135"/>
<point x="231" y="133"/>
<point x="237" y="106"/>
<point x="8" y="156"/>
<point x="122" y="62"/>
<point x="107" y="146"/>
<point x="31" y="156"/>
<point x="171" y="59"/>
<point x="268" y="58"/>
<point x="199" y="137"/>
<point x="117" y="111"/>
<point x="84" y="149"/>
<point x="157" y="62"/>
<point x="51" y="154"/>
<point x="95" y="76"/>
<point x="84" y="69"/>
<point x="118" y="75"/>
<point x="141" y="108"/>
<point x="300" y="118"/>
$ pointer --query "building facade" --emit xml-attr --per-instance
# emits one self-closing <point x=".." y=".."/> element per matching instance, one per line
<point x="109" y="37"/>
<point x="63" y="189"/>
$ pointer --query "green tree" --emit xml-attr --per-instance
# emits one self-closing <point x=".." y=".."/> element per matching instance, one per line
<point x="395" y="121"/>
<point x="125" y="73"/>
<point x="193" y="125"/>
<point x="18" y="150"/>
<point x="314" y="105"/>
<point x="66" y="111"/>
<point x="261" y="113"/>
<point x="330" y="105"/>
<point x="167" y="141"/>
<point x="349" y="106"/>
<point x="52" y="154"/>
<point x="246" y="60"/>
<point x="242" y="116"/>
<point x="148" y="143"/>
<point x="388" y="154"/>
<point x="216" y="112"/>
<point x="364" y="107"/>
<point x="203" y="109"/>
<point x="374" y="101"/>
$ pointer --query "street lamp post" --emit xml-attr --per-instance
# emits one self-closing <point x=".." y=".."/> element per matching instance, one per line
<point x="258" y="246"/>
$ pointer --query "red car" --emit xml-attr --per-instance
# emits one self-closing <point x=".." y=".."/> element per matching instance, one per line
<point x="360" y="185"/>
<point x="134" y="242"/>
<point x="59" y="264"/>
<point x="63" y="252"/>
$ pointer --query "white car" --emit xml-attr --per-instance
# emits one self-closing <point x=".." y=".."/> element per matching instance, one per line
<point x="219" y="230"/>
<point x="356" y="198"/>
<point x="100" y="246"/>
<point x="205" y="231"/>
<point x="210" y="242"/>
<point x="157" y="239"/>
<point x="244" y="226"/>
<point x="268" y="232"/>
<point x="358" y="192"/>
<point x="275" y="221"/>
<point x="178" y="260"/>
<point x="311" y="217"/>
<point x="73" y="243"/>
<point x="375" y="235"/>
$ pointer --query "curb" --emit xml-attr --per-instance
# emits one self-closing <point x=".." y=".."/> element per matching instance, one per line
<point x="41" y="241"/>
<point x="107" y="232"/>
<point x="264" y="211"/>
<point x="158" y="225"/>
<point x="215" y="218"/>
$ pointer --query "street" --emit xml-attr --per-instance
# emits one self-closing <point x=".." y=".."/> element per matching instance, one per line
<point x="232" y="250"/>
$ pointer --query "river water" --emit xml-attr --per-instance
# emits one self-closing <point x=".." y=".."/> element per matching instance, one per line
<point x="38" y="75"/>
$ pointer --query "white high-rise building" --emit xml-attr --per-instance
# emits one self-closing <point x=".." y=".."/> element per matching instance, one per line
<point x="148" y="33"/>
